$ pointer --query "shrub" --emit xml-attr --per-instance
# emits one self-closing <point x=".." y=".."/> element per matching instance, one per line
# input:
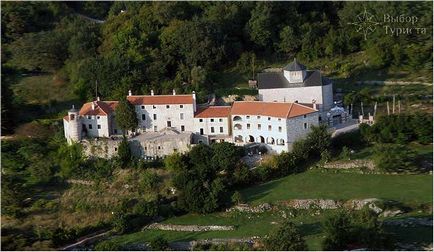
<point x="237" y="198"/>
<point x="286" y="237"/>
<point x="108" y="245"/>
<point x="345" y="153"/>
<point x="394" y="158"/>
<point x="149" y="180"/>
<point x="159" y="243"/>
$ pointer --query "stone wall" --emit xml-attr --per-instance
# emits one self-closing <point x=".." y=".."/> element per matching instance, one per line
<point x="351" y="164"/>
<point x="188" y="228"/>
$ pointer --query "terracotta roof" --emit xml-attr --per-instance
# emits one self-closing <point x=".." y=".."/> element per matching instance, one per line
<point x="101" y="108"/>
<point x="160" y="99"/>
<point x="66" y="118"/>
<point x="213" y="111"/>
<point x="274" y="109"/>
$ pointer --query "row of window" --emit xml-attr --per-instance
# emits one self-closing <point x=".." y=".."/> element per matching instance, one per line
<point x="167" y="106"/>
<point x="212" y="130"/>
<point x="211" y="120"/>
<point x="93" y="117"/>
<point x="181" y="116"/>
<point x="90" y="126"/>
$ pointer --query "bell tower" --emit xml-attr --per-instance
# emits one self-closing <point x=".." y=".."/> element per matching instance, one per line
<point x="74" y="125"/>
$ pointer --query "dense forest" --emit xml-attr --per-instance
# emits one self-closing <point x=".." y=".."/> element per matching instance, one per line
<point x="184" y="45"/>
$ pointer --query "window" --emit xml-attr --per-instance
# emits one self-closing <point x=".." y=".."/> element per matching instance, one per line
<point x="181" y="116"/>
<point x="304" y="116"/>
<point x="247" y="117"/>
<point x="90" y="126"/>
<point x="143" y="117"/>
<point x="212" y="129"/>
<point x="167" y="106"/>
<point x="279" y="119"/>
<point x="201" y="131"/>
<point x="200" y="120"/>
<point x="115" y="131"/>
<point x="181" y="106"/>
<point x="269" y="118"/>
<point x="154" y="107"/>
<point x="159" y="147"/>
<point x="116" y="149"/>
<point x="305" y="125"/>
<point x="97" y="117"/>
<point x="99" y="126"/>
<point x="155" y="128"/>
<point x="155" y="116"/>
<point x="248" y="126"/>
<point x="89" y="117"/>
<point x="212" y="119"/>
<point x="280" y="129"/>
<point x="259" y="127"/>
<point x="220" y="120"/>
<point x="143" y="107"/>
<point x="269" y="128"/>
<point x="258" y="117"/>
<point x="221" y="129"/>
<point x="182" y="128"/>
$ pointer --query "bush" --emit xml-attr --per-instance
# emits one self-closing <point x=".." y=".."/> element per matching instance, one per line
<point x="159" y="243"/>
<point x="149" y="180"/>
<point x="286" y="237"/>
<point x="352" y="230"/>
<point x="394" y="158"/>
<point x="237" y="198"/>
<point x="108" y="246"/>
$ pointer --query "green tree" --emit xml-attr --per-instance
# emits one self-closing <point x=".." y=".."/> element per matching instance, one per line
<point x="198" y="77"/>
<point x="237" y="198"/>
<point x="124" y="152"/>
<point x="70" y="158"/>
<point x="259" y="26"/>
<point x="394" y="158"/>
<point x="289" y="41"/>
<point x="226" y="156"/>
<point x="126" y="118"/>
<point x="175" y="162"/>
<point x="159" y="243"/>
<point x="286" y="237"/>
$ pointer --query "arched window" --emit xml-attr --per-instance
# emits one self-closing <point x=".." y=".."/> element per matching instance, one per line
<point x="281" y="142"/>
<point x="270" y="140"/>
<point x="238" y="126"/>
<point x="237" y="118"/>
<point x="239" y="139"/>
<point x="260" y="139"/>
<point x="250" y="139"/>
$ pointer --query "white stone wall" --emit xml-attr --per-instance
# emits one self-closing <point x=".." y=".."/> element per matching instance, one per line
<point x="96" y="120"/>
<point x="219" y="124"/>
<point x="274" y="138"/>
<point x="322" y="94"/>
<point x="294" y="76"/>
<point x="297" y="129"/>
<point x="164" y="114"/>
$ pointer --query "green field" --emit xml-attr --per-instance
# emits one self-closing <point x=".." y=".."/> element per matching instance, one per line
<point x="413" y="189"/>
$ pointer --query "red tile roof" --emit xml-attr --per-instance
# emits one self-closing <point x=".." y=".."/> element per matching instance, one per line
<point x="274" y="109"/>
<point x="66" y="118"/>
<point x="101" y="108"/>
<point x="160" y="99"/>
<point x="213" y="111"/>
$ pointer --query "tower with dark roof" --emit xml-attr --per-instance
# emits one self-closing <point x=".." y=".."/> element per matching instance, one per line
<point x="294" y="72"/>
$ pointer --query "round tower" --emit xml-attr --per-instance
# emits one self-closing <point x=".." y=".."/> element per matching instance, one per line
<point x="74" y="125"/>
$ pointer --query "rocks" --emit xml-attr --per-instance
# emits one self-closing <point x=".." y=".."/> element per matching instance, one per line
<point x="314" y="203"/>
<point x="390" y="213"/>
<point x="249" y="209"/>
<point x="352" y="164"/>
<point x="188" y="228"/>
<point x="359" y="204"/>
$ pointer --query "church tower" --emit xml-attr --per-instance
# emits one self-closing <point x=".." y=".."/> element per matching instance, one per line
<point x="294" y="72"/>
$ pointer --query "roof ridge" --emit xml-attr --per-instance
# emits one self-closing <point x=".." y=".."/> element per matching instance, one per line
<point x="289" y="110"/>
<point x="306" y="106"/>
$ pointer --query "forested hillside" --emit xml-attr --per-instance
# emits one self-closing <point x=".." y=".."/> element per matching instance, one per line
<point x="186" y="45"/>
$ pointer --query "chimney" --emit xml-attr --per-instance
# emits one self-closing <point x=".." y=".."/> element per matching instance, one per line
<point x="130" y="93"/>
<point x="194" y="101"/>
<point x="152" y="92"/>
<point x="98" y="99"/>
<point x="174" y="92"/>
<point x="93" y="105"/>
<point x="73" y="107"/>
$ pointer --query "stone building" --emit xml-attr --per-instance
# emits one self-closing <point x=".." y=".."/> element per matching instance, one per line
<point x="295" y="84"/>
<point x="173" y="123"/>
<point x="277" y="125"/>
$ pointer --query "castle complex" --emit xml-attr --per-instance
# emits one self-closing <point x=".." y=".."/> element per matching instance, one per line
<point x="290" y="103"/>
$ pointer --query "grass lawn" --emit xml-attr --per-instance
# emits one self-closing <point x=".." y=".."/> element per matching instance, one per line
<point x="413" y="189"/>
